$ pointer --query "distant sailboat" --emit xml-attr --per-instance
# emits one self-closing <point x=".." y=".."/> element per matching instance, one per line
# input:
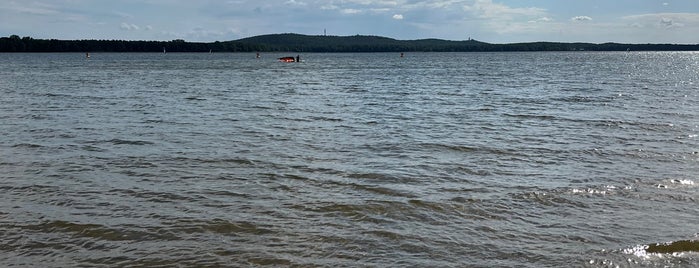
<point x="164" y="50"/>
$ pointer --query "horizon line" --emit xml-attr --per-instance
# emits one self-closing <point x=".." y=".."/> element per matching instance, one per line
<point x="357" y="35"/>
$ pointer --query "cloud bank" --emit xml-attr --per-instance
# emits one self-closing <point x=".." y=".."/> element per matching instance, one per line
<point x="581" y="18"/>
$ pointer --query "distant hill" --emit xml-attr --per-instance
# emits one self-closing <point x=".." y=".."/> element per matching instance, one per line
<point x="356" y="43"/>
<point x="290" y="42"/>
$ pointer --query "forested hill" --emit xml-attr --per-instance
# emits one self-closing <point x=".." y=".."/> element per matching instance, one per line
<point x="357" y="43"/>
<point x="312" y="43"/>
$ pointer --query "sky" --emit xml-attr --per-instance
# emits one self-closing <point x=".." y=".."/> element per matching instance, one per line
<point x="493" y="21"/>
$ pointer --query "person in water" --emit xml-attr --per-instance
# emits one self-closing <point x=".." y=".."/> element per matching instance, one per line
<point x="298" y="59"/>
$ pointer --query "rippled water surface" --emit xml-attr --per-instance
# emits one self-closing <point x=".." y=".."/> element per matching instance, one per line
<point x="345" y="160"/>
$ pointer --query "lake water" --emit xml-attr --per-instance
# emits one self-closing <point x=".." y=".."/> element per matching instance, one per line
<point x="549" y="159"/>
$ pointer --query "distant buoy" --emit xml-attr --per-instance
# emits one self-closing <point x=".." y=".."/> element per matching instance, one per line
<point x="401" y="54"/>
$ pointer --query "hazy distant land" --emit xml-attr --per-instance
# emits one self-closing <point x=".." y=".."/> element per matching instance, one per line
<point x="314" y="43"/>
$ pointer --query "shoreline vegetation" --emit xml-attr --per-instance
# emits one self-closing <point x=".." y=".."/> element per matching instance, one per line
<point x="290" y="42"/>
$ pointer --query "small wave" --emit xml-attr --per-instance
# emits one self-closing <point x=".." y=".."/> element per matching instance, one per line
<point x="57" y="95"/>
<point x="466" y="170"/>
<point x="268" y="261"/>
<point x="583" y="99"/>
<point x="375" y="212"/>
<point x="155" y="121"/>
<point x="95" y="231"/>
<point x="472" y="149"/>
<point x="222" y="193"/>
<point x="532" y="116"/>
<point x="311" y="83"/>
<point x="392" y="236"/>
<point x="550" y="198"/>
<point x="322" y="118"/>
<point x="189" y="160"/>
<point x="624" y="124"/>
<point x="373" y="176"/>
<point x="220" y="226"/>
<point x="132" y="162"/>
<point x="676" y="183"/>
<point x="157" y="197"/>
<point x="682" y="181"/>
<point x="91" y="148"/>
<point x="436" y="213"/>
<point x="260" y="107"/>
<point x="129" y="142"/>
<point x="27" y="145"/>
<point x="31" y="189"/>
<point x="457" y="148"/>
<point x="603" y="190"/>
<point x="381" y="190"/>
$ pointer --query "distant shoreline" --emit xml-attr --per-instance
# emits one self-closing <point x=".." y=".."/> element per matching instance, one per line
<point x="298" y="43"/>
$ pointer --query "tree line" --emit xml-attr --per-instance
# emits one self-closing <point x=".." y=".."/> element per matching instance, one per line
<point x="27" y="44"/>
<point x="315" y="43"/>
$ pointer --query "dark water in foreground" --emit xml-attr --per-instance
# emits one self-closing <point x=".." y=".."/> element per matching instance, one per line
<point x="345" y="160"/>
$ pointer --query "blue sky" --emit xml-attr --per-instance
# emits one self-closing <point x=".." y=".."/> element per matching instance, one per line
<point x="496" y="21"/>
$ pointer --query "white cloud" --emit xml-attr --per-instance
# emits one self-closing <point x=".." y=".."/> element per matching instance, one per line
<point x="199" y="33"/>
<point x="488" y="10"/>
<point x="373" y="2"/>
<point x="31" y="8"/>
<point x="295" y="3"/>
<point x="542" y="19"/>
<point x="581" y="18"/>
<point x="380" y="10"/>
<point x="398" y="17"/>
<point x="500" y="19"/>
<point x="667" y="22"/>
<point x="329" y="7"/>
<point x="129" y="27"/>
<point x="442" y="3"/>
<point x="123" y="15"/>
<point x="350" y="11"/>
<point x="664" y="20"/>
